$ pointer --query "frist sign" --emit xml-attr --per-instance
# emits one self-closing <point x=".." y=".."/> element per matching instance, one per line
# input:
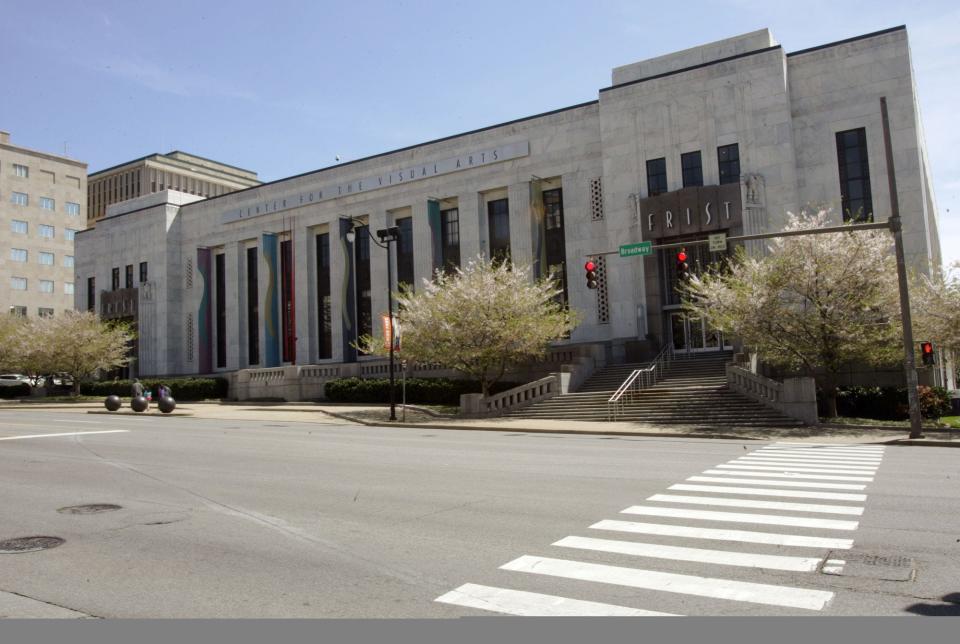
<point x="702" y="209"/>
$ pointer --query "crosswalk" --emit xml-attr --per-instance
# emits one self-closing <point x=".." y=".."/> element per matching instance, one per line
<point x="800" y="500"/>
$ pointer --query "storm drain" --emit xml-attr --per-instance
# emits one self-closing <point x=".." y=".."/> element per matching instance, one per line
<point x="28" y="544"/>
<point x="869" y="565"/>
<point x="90" y="508"/>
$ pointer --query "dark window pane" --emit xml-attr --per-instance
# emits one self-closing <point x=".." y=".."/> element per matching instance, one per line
<point x="852" y="160"/>
<point x="555" y="240"/>
<point x="728" y="160"/>
<point x="498" y="214"/>
<point x="692" y="166"/>
<point x="324" y="314"/>
<point x="450" y="237"/>
<point x="656" y="176"/>
<point x="253" y="309"/>
<point x="405" y="254"/>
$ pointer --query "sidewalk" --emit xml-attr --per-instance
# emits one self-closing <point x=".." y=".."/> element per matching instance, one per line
<point x="417" y="417"/>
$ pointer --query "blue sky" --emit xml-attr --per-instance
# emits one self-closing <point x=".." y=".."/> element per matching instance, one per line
<point x="284" y="87"/>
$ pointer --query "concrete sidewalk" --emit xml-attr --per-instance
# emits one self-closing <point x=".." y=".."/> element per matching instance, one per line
<point x="417" y="417"/>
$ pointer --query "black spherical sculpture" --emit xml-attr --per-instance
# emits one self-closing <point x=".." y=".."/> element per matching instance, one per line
<point x="167" y="404"/>
<point x="112" y="403"/>
<point x="139" y="404"/>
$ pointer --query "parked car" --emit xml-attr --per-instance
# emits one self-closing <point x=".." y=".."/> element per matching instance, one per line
<point x="14" y="379"/>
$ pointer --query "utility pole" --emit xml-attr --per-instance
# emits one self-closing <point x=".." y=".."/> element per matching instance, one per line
<point x="909" y="362"/>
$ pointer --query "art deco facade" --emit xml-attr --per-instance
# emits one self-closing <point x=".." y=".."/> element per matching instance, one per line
<point x="42" y="207"/>
<point x="723" y="138"/>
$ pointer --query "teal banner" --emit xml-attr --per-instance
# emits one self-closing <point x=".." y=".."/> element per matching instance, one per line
<point x="271" y="313"/>
<point x="436" y="233"/>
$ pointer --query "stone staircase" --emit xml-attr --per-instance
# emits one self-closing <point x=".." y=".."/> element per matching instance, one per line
<point x="691" y="391"/>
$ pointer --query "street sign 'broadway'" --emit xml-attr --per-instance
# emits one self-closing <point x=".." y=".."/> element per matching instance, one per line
<point x="643" y="248"/>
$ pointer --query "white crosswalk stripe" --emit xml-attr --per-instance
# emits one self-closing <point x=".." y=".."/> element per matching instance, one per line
<point x="673" y="583"/>
<point x="823" y="473"/>
<point x="791" y="475"/>
<point x="519" y="602"/>
<point x="764" y="505"/>
<point x="721" y="557"/>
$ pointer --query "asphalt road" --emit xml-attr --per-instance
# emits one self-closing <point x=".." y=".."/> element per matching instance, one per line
<point x="295" y="519"/>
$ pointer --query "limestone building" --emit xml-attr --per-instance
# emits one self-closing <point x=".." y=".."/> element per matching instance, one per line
<point x="42" y="207"/>
<point x="727" y="137"/>
<point x="157" y="172"/>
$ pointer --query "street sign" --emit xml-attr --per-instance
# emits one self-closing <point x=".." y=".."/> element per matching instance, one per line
<point x="631" y="250"/>
<point x="718" y="242"/>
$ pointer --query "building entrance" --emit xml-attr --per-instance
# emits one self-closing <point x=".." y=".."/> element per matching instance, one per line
<point x="692" y="335"/>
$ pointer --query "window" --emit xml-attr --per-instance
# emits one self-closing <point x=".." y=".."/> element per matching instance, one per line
<point x="68" y="233"/>
<point x="114" y="279"/>
<point x="253" y="309"/>
<point x="856" y="201"/>
<point x="128" y="276"/>
<point x="18" y="254"/>
<point x="47" y="231"/>
<point x="18" y="311"/>
<point x="361" y="249"/>
<point x="143" y="272"/>
<point x="450" y="237"/>
<point x="728" y="160"/>
<point x="18" y="283"/>
<point x="656" y="176"/>
<point x="46" y="259"/>
<point x="219" y="305"/>
<point x="46" y="286"/>
<point x="91" y="293"/>
<point x="68" y="261"/>
<point x="21" y="170"/>
<point x="498" y="220"/>
<point x="73" y="209"/>
<point x="405" y="254"/>
<point x="19" y="198"/>
<point x="555" y="239"/>
<point x="692" y="166"/>
<point x="324" y="305"/>
<point x="19" y="227"/>
<point x="47" y="203"/>
<point x="68" y="288"/>
<point x="45" y="313"/>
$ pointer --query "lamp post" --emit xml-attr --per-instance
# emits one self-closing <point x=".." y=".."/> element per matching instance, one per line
<point x="386" y="237"/>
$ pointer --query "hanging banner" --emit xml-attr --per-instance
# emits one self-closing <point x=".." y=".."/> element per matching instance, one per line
<point x="436" y="234"/>
<point x="390" y="332"/>
<point x="271" y="314"/>
<point x="538" y="229"/>
<point x="204" y="317"/>
<point x="348" y="295"/>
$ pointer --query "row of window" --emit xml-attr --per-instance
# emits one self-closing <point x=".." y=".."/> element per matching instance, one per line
<point x="45" y="258"/>
<point x="21" y="311"/>
<point x="128" y="271"/>
<point x="23" y="171"/>
<point x="23" y="199"/>
<point x="691" y="164"/>
<point x="49" y="232"/>
<point x="46" y="286"/>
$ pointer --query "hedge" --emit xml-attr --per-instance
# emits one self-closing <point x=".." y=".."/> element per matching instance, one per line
<point x="890" y="403"/>
<point x="15" y="391"/>
<point x="424" y="391"/>
<point x="182" y="389"/>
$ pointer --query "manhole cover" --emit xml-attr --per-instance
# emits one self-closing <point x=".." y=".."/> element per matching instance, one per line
<point x="91" y="508"/>
<point x="28" y="544"/>
<point x="870" y="565"/>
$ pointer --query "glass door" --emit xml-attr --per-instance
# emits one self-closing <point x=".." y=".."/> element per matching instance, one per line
<point x="691" y="335"/>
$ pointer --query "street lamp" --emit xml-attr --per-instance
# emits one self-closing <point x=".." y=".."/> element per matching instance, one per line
<point x="386" y="237"/>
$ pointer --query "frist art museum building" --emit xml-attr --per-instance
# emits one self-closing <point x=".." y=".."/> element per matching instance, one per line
<point x="726" y="138"/>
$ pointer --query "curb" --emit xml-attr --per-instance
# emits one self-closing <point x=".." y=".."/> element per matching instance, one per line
<point x="924" y="442"/>
<point x="150" y="412"/>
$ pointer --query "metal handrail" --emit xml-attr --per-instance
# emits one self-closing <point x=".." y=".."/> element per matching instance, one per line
<point x="647" y="377"/>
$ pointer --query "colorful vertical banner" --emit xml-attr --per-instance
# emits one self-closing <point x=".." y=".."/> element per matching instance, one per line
<point x="436" y="233"/>
<point x="204" y="317"/>
<point x="538" y="230"/>
<point x="348" y="294"/>
<point x="271" y="314"/>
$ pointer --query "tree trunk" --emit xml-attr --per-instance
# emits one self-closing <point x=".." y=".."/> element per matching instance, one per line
<point x="830" y="398"/>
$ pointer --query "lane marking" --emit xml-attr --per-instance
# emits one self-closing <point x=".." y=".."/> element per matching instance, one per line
<point x="789" y="468"/>
<point x="741" y="517"/>
<point x="747" y="460"/>
<point x="106" y="431"/>
<point x="792" y="475"/>
<point x="824" y="446"/>
<point x="765" y="505"/>
<point x="521" y="602"/>
<point x="824" y="452"/>
<point x="700" y="555"/>
<point x="855" y="460"/>
<point x="673" y="583"/>
<point x="805" y="444"/>
<point x="774" y="482"/>
<point x="84" y="422"/>
<point x="716" y="534"/>
<point x="793" y="494"/>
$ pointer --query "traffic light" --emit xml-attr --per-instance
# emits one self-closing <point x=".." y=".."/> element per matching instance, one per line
<point x="926" y="353"/>
<point x="683" y="268"/>
<point x="591" y="269"/>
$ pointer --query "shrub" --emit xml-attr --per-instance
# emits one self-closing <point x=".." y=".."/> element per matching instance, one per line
<point x="182" y="389"/>
<point x="425" y="391"/>
<point x="890" y="403"/>
<point x="16" y="391"/>
<point x="934" y="402"/>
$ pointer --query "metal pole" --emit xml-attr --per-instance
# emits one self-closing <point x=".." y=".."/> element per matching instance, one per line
<point x="393" y="405"/>
<point x="909" y="362"/>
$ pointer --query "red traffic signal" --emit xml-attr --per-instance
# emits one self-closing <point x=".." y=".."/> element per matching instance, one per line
<point x="926" y="353"/>
<point x="591" y="268"/>
<point x="683" y="269"/>
<point x="682" y="255"/>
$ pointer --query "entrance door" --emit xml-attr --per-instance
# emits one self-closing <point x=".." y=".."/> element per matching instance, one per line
<point x="691" y="335"/>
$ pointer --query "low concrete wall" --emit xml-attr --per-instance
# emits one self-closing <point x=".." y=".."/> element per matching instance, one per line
<point x="795" y="397"/>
